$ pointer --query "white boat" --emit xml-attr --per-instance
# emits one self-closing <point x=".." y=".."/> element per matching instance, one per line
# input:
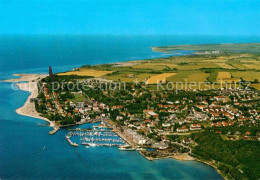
<point x="92" y="144"/>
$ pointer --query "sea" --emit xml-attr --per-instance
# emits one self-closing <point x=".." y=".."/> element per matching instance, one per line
<point x="27" y="151"/>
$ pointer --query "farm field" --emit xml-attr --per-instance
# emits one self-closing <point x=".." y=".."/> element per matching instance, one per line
<point x="255" y="66"/>
<point x="196" y="66"/>
<point x="247" y="75"/>
<point x="189" y="86"/>
<point x="198" y="77"/>
<point x="225" y="77"/>
<point x="256" y="86"/>
<point x="225" y="65"/>
<point x="153" y="66"/>
<point x="128" y="77"/>
<point x="189" y="76"/>
<point x="86" y="72"/>
<point x="207" y="65"/>
<point x="160" y="78"/>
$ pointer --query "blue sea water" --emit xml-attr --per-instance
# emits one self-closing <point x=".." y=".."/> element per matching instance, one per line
<point x="21" y="141"/>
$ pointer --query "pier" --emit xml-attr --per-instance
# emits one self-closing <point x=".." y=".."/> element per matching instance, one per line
<point x="70" y="142"/>
<point x="54" y="130"/>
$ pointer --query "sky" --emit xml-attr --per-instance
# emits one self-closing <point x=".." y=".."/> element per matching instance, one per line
<point x="184" y="17"/>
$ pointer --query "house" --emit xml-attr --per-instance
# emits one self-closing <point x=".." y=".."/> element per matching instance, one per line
<point x="153" y="114"/>
<point x="166" y="124"/>
<point x="186" y="141"/>
<point x="80" y="104"/>
<point x="118" y="118"/>
<point x="141" y="141"/>
<point x="95" y="109"/>
<point x="201" y="106"/>
<point x="219" y="98"/>
<point x="102" y="106"/>
<point x="219" y="124"/>
<point x="213" y="124"/>
<point x="182" y="129"/>
<point x="224" y="123"/>
<point x="148" y="121"/>
<point x="195" y="127"/>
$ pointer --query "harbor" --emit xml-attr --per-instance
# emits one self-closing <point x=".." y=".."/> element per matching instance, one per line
<point x="97" y="135"/>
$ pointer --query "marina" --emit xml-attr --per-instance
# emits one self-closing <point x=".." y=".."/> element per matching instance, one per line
<point x="95" y="136"/>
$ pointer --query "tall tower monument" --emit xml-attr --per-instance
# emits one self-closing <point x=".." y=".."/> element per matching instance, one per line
<point x="50" y="72"/>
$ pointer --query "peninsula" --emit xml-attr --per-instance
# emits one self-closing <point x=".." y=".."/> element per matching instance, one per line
<point x="203" y="106"/>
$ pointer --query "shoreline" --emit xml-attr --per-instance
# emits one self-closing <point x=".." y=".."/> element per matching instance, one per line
<point x="186" y="157"/>
<point x="28" y="109"/>
<point x="209" y="163"/>
<point x="179" y="157"/>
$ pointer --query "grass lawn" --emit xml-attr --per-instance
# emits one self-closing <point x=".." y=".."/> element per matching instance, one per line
<point x="78" y="98"/>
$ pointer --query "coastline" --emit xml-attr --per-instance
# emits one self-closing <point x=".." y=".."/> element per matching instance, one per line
<point x="180" y="157"/>
<point x="28" y="109"/>
<point x="186" y="157"/>
<point x="209" y="163"/>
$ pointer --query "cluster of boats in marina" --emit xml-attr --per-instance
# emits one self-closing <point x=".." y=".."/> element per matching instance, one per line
<point x="93" y="133"/>
<point x="94" y="137"/>
<point x="100" y="144"/>
<point x="98" y="137"/>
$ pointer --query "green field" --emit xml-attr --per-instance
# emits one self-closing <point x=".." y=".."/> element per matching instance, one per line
<point x="79" y="98"/>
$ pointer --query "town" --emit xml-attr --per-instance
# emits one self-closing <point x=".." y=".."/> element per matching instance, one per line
<point x="170" y="122"/>
<point x="151" y="115"/>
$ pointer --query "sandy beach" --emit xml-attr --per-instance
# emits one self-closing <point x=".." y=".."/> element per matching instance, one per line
<point x="28" y="109"/>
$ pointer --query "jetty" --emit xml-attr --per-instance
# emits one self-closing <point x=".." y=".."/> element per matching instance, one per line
<point x="54" y="130"/>
<point x="70" y="142"/>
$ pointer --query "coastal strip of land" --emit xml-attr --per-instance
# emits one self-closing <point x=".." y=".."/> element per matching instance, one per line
<point x="28" y="109"/>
